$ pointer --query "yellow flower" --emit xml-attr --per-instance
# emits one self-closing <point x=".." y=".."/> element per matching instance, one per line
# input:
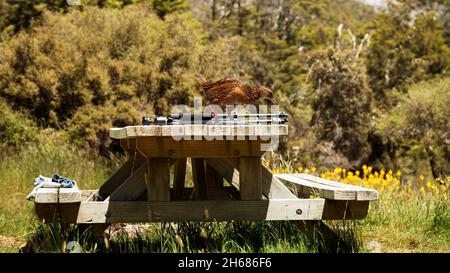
<point x="300" y="169"/>
<point x="421" y="177"/>
<point x="313" y="169"/>
<point x="399" y="173"/>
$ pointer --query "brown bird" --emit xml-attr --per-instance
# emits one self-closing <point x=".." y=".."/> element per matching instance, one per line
<point x="230" y="91"/>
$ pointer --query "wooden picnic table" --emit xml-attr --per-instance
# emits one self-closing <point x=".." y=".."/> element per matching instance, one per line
<point x="229" y="181"/>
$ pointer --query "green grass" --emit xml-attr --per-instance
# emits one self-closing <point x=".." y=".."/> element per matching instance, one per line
<point x="47" y="155"/>
<point x="398" y="222"/>
<point x="206" y="237"/>
<point x="405" y="223"/>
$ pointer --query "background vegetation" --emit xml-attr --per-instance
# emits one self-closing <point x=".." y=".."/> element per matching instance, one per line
<point x="363" y="87"/>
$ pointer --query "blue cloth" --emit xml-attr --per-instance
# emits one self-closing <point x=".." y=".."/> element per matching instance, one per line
<point x="56" y="178"/>
<point x="41" y="179"/>
<point x="64" y="181"/>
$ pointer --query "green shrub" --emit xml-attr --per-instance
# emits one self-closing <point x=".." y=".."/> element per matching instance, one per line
<point x="17" y="15"/>
<point x="405" y="49"/>
<point x="90" y="125"/>
<point x="118" y="64"/>
<point x="341" y="101"/>
<point x="423" y="116"/>
<point x="164" y="7"/>
<point x="16" y="129"/>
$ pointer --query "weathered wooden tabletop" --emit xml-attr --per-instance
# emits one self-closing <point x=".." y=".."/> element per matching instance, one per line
<point x="256" y="130"/>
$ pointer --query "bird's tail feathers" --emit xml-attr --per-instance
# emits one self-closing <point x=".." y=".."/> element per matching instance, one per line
<point x="200" y="79"/>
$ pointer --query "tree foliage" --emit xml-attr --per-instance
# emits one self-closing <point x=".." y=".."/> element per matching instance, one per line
<point x="16" y="129"/>
<point x="16" y="15"/>
<point x="341" y="69"/>
<point x="100" y="58"/>
<point x="164" y="7"/>
<point x="405" y="49"/>
<point x="341" y="102"/>
<point x="423" y="117"/>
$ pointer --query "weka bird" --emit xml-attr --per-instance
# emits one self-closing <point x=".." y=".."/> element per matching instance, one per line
<point x="230" y="91"/>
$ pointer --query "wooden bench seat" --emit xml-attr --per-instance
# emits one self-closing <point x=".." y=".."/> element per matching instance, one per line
<point x="312" y="185"/>
<point x="62" y="195"/>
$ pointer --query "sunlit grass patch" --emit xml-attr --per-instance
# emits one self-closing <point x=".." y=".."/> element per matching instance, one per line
<point x="194" y="237"/>
<point x="49" y="154"/>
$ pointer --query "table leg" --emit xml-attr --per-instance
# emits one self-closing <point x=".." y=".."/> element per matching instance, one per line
<point x="157" y="180"/>
<point x="250" y="178"/>
<point x="214" y="181"/>
<point x="199" y="177"/>
<point x="179" y="178"/>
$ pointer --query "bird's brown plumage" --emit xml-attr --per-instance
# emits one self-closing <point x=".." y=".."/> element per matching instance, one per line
<point x="231" y="91"/>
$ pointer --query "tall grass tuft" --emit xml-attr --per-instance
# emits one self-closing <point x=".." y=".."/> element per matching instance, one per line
<point x="441" y="216"/>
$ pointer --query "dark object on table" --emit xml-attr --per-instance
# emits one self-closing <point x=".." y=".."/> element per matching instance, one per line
<point x="216" y="119"/>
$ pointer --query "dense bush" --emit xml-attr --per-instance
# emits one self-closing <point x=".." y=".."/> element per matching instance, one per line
<point x="422" y="118"/>
<point x="16" y="15"/>
<point x="16" y="129"/>
<point x="405" y="50"/>
<point x="341" y="101"/>
<point x="90" y="125"/>
<point x="110" y="64"/>
<point x="86" y="69"/>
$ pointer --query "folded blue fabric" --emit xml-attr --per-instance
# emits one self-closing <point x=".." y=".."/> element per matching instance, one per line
<point x="64" y="181"/>
<point x="41" y="179"/>
<point x="56" y="178"/>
